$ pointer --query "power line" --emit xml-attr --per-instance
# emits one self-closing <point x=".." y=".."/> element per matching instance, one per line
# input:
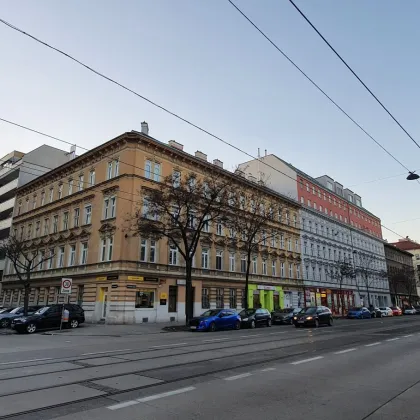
<point x="354" y="73"/>
<point x="315" y="84"/>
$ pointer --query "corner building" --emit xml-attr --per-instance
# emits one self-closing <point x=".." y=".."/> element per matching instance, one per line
<point x="79" y="212"/>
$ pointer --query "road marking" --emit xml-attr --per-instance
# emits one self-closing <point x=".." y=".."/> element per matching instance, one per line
<point x="409" y="335"/>
<point x="372" y="344"/>
<point x="281" y="332"/>
<point x="25" y="361"/>
<point x="307" y="360"/>
<point x="251" y="335"/>
<point x="393" y="339"/>
<point x="215" y="339"/>
<point x="166" y="394"/>
<point x="267" y="369"/>
<point x="233" y="378"/>
<point x="168" y="345"/>
<point x="122" y="405"/>
<point x="345" y="351"/>
<point x="104" y="352"/>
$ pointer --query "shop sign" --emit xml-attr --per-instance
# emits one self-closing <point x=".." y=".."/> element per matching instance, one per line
<point x="101" y="278"/>
<point x="181" y="282"/>
<point x="136" y="278"/>
<point x="113" y="277"/>
<point x="114" y="286"/>
<point x="263" y="287"/>
<point x="131" y="286"/>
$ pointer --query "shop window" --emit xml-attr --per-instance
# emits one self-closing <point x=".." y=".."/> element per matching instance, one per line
<point x="219" y="298"/>
<point x="232" y="298"/>
<point x="145" y="299"/>
<point x="173" y="297"/>
<point x="256" y="300"/>
<point x="205" y="301"/>
<point x="276" y="301"/>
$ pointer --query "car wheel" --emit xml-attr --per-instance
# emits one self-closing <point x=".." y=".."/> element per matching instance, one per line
<point x="237" y="325"/>
<point x="74" y="323"/>
<point x="31" y="328"/>
<point x="212" y="327"/>
<point x="252" y="324"/>
<point x="316" y="323"/>
<point x="4" y="323"/>
<point x="330" y="322"/>
<point x="268" y="322"/>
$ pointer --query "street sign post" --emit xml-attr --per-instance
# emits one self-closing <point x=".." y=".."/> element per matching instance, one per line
<point x="66" y="284"/>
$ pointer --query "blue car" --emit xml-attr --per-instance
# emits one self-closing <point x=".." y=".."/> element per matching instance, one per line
<point x="216" y="319"/>
<point x="359" y="313"/>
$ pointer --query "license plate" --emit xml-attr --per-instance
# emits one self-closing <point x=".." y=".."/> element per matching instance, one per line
<point x="193" y="328"/>
<point x="301" y="322"/>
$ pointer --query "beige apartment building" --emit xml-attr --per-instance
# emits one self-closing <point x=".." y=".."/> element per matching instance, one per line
<point x="79" y="210"/>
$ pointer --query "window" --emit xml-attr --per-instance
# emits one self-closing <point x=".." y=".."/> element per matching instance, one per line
<point x="232" y="262"/>
<point x="264" y="267"/>
<point x="206" y="224"/>
<point x="51" y="194"/>
<point x="320" y="209"/>
<point x="173" y="298"/>
<point x="107" y="245"/>
<point x="219" y="260"/>
<point x="176" y="179"/>
<point x="281" y="241"/>
<point x="27" y="204"/>
<point x="46" y="226"/>
<point x="29" y="235"/>
<point x="51" y="258"/>
<point x="307" y="272"/>
<point x="219" y="229"/>
<point x="109" y="207"/>
<point x="72" y="255"/>
<point x="264" y="237"/>
<point x="290" y="271"/>
<point x="273" y="268"/>
<point x="60" y="257"/>
<point x="55" y="223"/>
<point x="302" y="200"/>
<point x="34" y="203"/>
<point x="232" y="298"/>
<point x="287" y="218"/>
<point x="84" y="253"/>
<point x="297" y="271"/>
<point x="243" y="263"/>
<point x="305" y="247"/>
<point x="81" y="182"/>
<point x="76" y="217"/>
<point x="309" y="203"/>
<point x="312" y="249"/>
<point x="80" y="293"/>
<point x="113" y="169"/>
<point x="88" y="214"/>
<point x="156" y="172"/>
<point x="60" y="191"/>
<point x="145" y="299"/>
<point x="37" y="228"/>
<point x="219" y="298"/>
<point x="254" y="265"/>
<point x="273" y="239"/>
<point x="318" y="251"/>
<point x="147" y="169"/>
<point x="313" y="190"/>
<point x="66" y="220"/>
<point x="148" y="250"/>
<point x="282" y="269"/>
<point x="295" y="220"/>
<point x="307" y="187"/>
<point x="70" y="187"/>
<point x="329" y="185"/>
<point x="205" y="258"/>
<point x="315" y="206"/>
<point x="92" y="177"/>
<point x="289" y="244"/>
<point x="319" y="193"/>
<point x="42" y="198"/>
<point x="296" y="245"/>
<point x="173" y="255"/>
<point x="205" y="301"/>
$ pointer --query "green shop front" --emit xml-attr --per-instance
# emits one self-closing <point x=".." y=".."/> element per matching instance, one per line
<point x="269" y="297"/>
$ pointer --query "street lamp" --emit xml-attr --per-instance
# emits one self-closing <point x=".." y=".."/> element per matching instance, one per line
<point x="412" y="176"/>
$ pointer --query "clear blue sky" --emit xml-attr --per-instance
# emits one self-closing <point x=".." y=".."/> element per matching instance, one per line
<point x="202" y="60"/>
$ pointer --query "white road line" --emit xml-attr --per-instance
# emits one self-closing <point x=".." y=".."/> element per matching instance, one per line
<point x="25" y="361"/>
<point x="168" y="345"/>
<point x="233" y="378"/>
<point x="122" y="405"/>
<point x="345" y="351"/>
<point x="409" y="335"/>
<point x="215" y="339"/>
<point x="280" y="332"/>
<point x="307" y="360"/>
<point x="393" y="339"/>
<point x="104" y="352"/>
<point x="372" y="344"/>
<point x="251" y="335"/>
<point x="267" y="369"/>
<point x="166" y="394"/>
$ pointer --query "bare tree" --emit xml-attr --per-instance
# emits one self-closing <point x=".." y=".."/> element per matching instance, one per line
<point x="250" y="221"/>
<point x="180" y="209"/>
<point x="340" y="272"/>
<point x="25" y="256"/>
<point x="408" y="283"/>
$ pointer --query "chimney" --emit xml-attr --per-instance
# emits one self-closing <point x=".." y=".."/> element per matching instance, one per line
<point x="145" y="128"/>
<point x="176" y="145"/>
<point x="72" y="153"/>
<point x="218" y="163"/>
<point x="201" y="155"/>
<point x="265" y="151"/>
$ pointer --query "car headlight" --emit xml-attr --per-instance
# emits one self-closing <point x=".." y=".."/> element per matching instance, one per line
<point x="245" y="319"/>
<point x="295" y="317"/>
<point x="308" y="318"/>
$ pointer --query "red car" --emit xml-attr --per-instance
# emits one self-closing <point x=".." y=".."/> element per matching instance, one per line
<point x="396" y="311"/>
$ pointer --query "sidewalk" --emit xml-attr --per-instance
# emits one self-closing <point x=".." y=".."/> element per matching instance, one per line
<point x="110" y="330"/>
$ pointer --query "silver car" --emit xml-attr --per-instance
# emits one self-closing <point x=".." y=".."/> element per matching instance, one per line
<point x="386" y="311"/>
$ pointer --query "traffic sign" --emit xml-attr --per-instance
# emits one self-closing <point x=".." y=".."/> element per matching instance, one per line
<point x="66" y="286"/>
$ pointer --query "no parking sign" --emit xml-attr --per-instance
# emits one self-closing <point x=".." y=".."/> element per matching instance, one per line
<point x="66" y="286"/>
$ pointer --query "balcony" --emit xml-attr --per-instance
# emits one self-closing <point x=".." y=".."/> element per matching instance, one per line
<point x="5" y="224"/>
<point x="8" y="189"/>
<point x="7" y="205"/>
<point x="9" y="173"/>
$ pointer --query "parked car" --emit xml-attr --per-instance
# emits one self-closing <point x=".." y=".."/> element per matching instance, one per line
<point x="252" y="318"/>
<point x="375" y="312"/>
<point x="6" y="310"/>
<point x="313" y="316"/>
<point x="216" y="319"/>
<point x="359" y="312"/>
<point x="409" y="310"/>
<point x="417" y="308"/>
<point x="7" y="317"/>
<point x="396" y="310"/>
<point x="386" y="311"/>
<point x="49" y="317"/>
<point x="284" y="316"/>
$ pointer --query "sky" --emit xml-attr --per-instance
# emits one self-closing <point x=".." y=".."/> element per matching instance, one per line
<point x="204" y="61"/>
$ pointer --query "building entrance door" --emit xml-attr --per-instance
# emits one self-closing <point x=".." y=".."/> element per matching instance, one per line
<point x="104" y="302"/>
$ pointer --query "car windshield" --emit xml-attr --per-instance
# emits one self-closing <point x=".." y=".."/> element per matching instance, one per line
<point x="284" y="311"/>
<point x="247" y="312"/>
<point x="16" y="310"/>
<point x="42" y="310"/>
<point x="356" y="308"/>
<point x="308" y="311"/>
<point x="383" y="308"/>
<point x="211" y="312"/>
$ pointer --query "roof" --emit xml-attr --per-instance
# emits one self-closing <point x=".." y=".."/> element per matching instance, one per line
<point x="395" y="247"/>
<point x="406" y="244"/>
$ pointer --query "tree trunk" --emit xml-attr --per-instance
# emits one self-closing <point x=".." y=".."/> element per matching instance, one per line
<point x="341" y="299"/>
<point x="367" y="290"/>
<point x="27" y="289"/>
<point x="248" y="264"/>
<point x="189" y="304"/>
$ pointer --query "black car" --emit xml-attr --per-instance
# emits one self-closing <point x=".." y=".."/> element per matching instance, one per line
<point x="284" y="316"/>
<point x="313" y="316"/>
<point x="7" y="317"/>
<point x="255" y="317"/>
<point x="375" y="312"/>
<point x="49" y="317"/>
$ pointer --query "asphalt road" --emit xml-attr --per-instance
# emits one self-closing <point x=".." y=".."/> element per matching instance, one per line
<point x="356" y="370"/>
